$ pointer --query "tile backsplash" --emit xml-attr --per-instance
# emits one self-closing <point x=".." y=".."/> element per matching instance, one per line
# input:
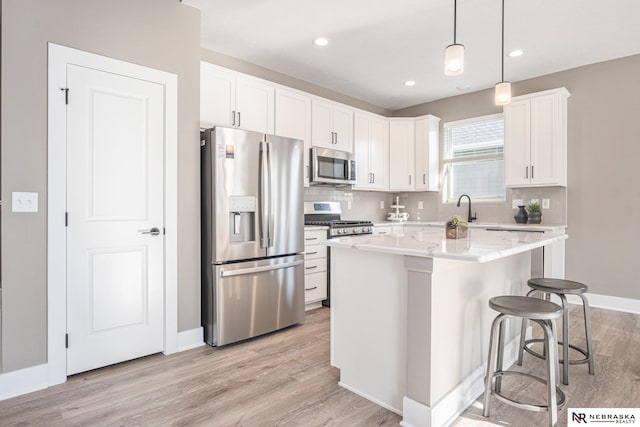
<point x="366" y="204"/>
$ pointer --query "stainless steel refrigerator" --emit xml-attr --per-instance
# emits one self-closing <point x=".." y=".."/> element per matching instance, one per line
<point x="252" y="241"/>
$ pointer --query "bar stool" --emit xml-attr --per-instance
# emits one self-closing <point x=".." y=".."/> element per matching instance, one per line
<point x="544" y="313"/>
<point x="561" y="288"/>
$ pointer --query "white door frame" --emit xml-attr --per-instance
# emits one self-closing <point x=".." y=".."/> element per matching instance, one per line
<point x="59" y="57"/>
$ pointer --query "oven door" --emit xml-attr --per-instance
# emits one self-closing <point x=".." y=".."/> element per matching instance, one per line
<point x="332" y="167"/>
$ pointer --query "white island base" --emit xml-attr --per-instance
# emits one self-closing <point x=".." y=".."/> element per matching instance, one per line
<point x="411" y="333"/>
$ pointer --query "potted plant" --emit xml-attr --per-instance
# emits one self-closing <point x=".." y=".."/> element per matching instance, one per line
<point x="456" y="228"/>
<point x="535" y="213"/>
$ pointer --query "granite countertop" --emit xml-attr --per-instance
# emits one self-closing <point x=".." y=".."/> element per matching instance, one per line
<point x="485" y="225"/>
<point x="480" y="245"/>
<point x="315" y="227"/>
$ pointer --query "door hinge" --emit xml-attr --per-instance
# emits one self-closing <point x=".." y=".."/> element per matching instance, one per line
<point x="66" y="219"/>
<point x="66" y="95"/>
<point x="66" y="340"/>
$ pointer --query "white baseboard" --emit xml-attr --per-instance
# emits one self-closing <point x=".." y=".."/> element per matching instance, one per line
<point x="190" y="339"/>
<point x="369" y="398"/>
<point x="23" y="381"/>
<point x="627" y="305"/>
<point x="416" y="414"/>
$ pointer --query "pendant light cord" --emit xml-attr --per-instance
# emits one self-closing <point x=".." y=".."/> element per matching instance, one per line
<point x="455" y="14"/>
<point x="502" y="40"/>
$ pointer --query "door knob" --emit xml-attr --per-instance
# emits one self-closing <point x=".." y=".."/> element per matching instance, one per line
<point x="154" y="231"/>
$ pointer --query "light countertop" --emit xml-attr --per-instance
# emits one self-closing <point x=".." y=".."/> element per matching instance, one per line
<point x="315" y="227"/>
<point x="480" y="245"/>
<point x="485" y="225"/>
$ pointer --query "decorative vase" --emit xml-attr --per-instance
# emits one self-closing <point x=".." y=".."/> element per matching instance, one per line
<point x="521" y="216"/>
<point x="535" y="217"/>
<point x="459" y="232"/>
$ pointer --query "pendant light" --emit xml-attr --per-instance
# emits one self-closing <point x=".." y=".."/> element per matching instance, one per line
<point x="503" y="89"/>
<point x="454" y="53"/>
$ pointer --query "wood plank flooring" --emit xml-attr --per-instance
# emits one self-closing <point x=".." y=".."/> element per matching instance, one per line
<point x="284" y="379"/>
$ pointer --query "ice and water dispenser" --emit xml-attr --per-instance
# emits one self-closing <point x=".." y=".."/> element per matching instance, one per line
<point x="242" y="212"/>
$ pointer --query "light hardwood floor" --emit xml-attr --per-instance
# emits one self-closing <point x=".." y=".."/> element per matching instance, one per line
<point x="285" y="379"/>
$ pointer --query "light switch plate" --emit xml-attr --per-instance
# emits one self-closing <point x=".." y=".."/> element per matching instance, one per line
<point x="24" y="202"/>
<point x="420" y="205"/>
<point x="381" y="204"/>
<point x="546" y="203"/>
<point x="516" y="202"/>
<point x="349" y="204"/>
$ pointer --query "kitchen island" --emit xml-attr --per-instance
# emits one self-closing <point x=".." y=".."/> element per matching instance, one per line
<point x="410" y="318"/>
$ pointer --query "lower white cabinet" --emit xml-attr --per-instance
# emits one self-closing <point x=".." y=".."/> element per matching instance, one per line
<point x="387" y="229"/>
<point x="315" y="268"/>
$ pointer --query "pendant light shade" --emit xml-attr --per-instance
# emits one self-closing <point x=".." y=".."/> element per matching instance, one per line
<point x="454" y="60"/>
<point x="503" y="93"/>
<point x="503" y="89"/>
<point x="454" y="53"/>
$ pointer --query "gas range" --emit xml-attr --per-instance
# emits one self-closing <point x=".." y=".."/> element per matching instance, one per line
<point x="327" y="214"/>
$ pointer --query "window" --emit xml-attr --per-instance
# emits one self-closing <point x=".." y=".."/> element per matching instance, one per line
<point x="473" y="161"/>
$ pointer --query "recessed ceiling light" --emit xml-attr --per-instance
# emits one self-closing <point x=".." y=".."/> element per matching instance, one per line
<point x="410" y="83"/>
<point x="463" y="87"/>
<point x="516" y="53"/>
<point x="321" y="41"/>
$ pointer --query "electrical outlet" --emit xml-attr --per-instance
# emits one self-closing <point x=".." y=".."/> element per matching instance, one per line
<point x="381" y="204"/>
<point x="24" y="202"/>
<point x="546" y="203"/>
<point x="516" y="202"/>
<point x="534" y="201"/>
<point x="420" y="205"/>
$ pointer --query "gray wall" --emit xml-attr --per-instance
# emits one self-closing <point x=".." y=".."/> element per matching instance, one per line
<point x="157" y="33"/>
<point x="603" y="196"/>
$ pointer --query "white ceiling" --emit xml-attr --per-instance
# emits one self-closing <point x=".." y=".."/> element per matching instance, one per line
<point x="376" y="45"/>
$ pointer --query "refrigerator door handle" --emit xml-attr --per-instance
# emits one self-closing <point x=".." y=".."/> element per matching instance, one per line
<point x="263" y="213"/>
<point x="269" y="195"/>
<point x="253" y="270"/>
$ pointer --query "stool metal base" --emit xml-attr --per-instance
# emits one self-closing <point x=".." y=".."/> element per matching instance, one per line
<point x="524" y="405"/>
<point x="560" y="343"/>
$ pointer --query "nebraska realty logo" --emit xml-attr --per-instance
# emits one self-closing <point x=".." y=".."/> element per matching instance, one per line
<point x="582" y="416"/>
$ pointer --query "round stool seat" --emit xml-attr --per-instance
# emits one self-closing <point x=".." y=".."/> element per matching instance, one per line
<point x="558" y="286"/>
<point x="530" y="308"/>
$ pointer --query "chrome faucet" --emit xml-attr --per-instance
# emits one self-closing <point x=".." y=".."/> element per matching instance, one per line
<point x="469" y="217"/>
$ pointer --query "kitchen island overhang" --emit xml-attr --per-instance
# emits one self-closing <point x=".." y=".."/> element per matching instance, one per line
<point x="410" y="320"/>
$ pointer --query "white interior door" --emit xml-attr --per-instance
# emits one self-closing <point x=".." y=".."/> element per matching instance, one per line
<point x="115" y="269"/>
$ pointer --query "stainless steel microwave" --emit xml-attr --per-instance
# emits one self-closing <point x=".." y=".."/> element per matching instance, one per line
<point x="332" y="167"/>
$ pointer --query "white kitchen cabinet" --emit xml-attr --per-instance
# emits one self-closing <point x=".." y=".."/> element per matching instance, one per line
<point x="535" y="139"/>
<point x="427" y="138"/>
<point x="387" y="229"/>
<point x="371" y="147"/>
<point x="331" y="125"/>
<point x="293" y="120"/>
<point x="315" y="268"/>
<point x="229" y="98"/>
<point x="401" y="154"/>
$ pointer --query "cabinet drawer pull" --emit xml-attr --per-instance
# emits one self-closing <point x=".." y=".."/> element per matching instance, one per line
<point x="526" y="172"/>
<point x="532" y="177"/>
<point x="383" y="232"/>
<point x="310" y="289"/>
<point x="311" y="268"/>
<point x="310" y="238"/>
<point x="238" y="118"/>
<point x="424" y="178"/>
<point x="233" y="117"/>
<point x="311" y="253"/>
<point x="409" y="179"/>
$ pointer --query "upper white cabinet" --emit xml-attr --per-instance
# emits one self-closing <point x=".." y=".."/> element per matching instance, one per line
<point x="293" y="120"/>
<point x="228" y="98"/>
<point x="371" y="146"/>
<point x="427" y="153"/>
<point x="535" y="139"/>
<point x="331" y="125"/>
<point x="401" y="154"/>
